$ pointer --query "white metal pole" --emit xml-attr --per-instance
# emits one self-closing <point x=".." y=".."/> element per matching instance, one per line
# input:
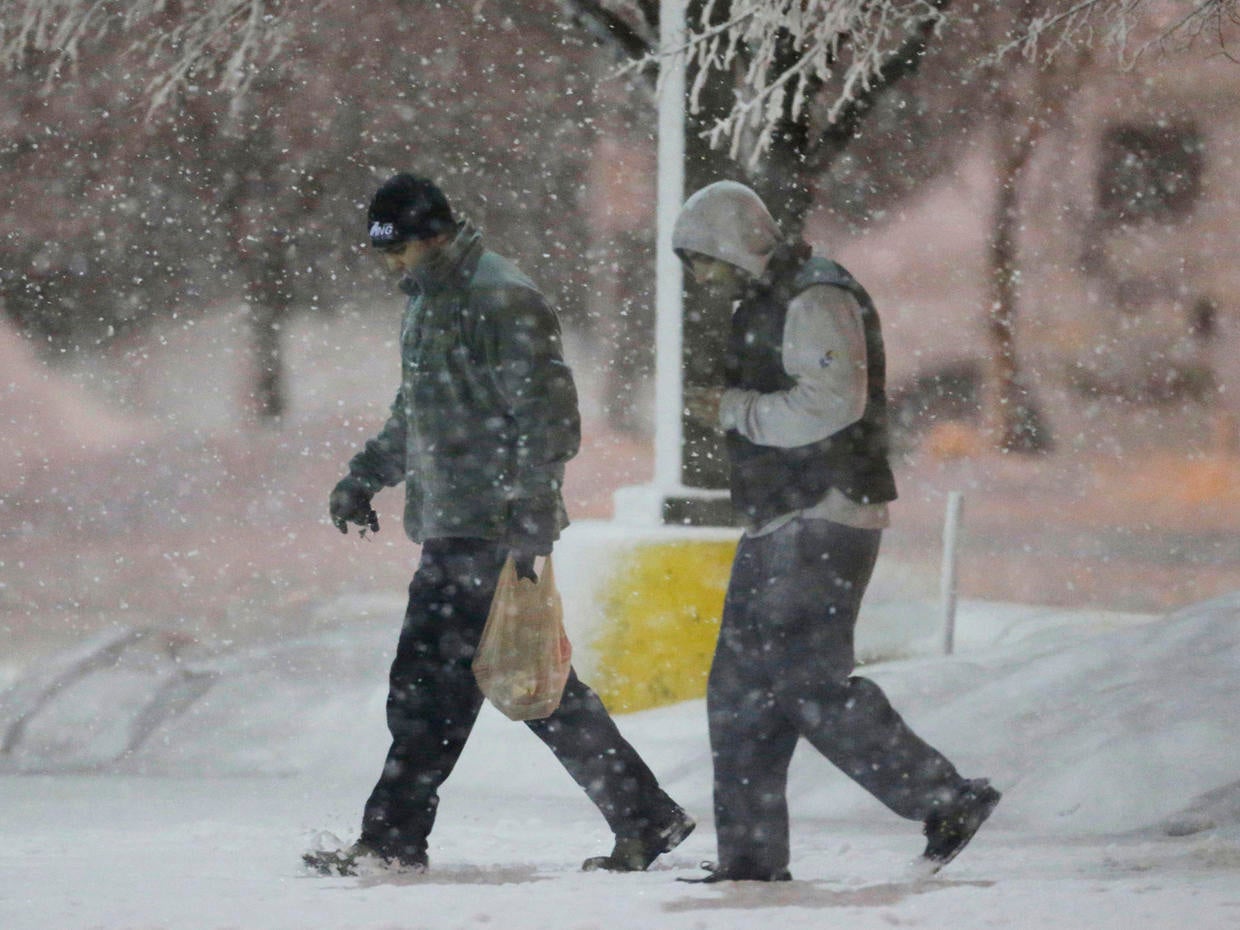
<point x="951" y="533"/>
<point x="669" y="284"/>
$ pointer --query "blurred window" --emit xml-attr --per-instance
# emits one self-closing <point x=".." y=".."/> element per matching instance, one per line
<point x="1149" y="172"/>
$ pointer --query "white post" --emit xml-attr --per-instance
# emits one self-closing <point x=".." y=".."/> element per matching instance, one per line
<point x="951" y="533"/>
<point x="669" y="327"/>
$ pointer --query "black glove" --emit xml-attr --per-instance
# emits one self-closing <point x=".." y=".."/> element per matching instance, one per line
<point x="523" y="562"/>
<point x="350" y="503"/>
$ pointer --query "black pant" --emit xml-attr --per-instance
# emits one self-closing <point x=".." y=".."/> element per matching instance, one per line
<point x="433" y="702"/>
<point x="782" y="670"/>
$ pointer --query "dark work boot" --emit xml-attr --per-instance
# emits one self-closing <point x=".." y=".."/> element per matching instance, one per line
<point x="635" y="853"/>
<point x="949" y="830"/>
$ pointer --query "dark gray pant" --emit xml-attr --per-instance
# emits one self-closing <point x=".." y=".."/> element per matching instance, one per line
<point x="433" y="701"/>
<point x="782" y="670"/>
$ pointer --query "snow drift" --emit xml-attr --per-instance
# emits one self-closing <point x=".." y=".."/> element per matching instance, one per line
<point x="1086" y="731"/>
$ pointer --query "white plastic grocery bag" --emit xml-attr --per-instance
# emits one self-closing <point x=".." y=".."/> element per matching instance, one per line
<point x="524" y="655"/>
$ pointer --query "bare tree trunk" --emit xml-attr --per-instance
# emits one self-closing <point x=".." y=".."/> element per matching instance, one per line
<point x="785" y="180"/>
<point x="269" y="306"/>
<point x="707" y="323"/>
<point x="1024" y="108"/>
<point x="269" y="402"/>
<point x="1018" y="425"/>
<point x="259" y="217"/>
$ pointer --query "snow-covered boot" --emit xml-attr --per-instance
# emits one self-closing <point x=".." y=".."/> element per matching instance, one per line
<point x="635" y="853"/>
<point x="361" y="858"/>
<point x="949" y="830"/>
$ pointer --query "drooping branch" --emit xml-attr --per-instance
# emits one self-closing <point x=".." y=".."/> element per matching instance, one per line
<point x="1130" y="27"/>
<point x="225" y="42"/>
<point x="849" y="46"/>
<point x="634" y="36"/>
<point x="848" y="43"/>
<point x="902" y="63"/>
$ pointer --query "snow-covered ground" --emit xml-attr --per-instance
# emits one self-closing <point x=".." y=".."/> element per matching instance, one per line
<point x="1115" y="743"/>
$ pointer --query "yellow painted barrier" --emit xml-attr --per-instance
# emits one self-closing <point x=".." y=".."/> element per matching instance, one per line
<point x="662" y="603"/>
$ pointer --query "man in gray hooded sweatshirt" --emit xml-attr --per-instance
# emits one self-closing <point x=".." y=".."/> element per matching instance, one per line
<point x="805" y="415"/>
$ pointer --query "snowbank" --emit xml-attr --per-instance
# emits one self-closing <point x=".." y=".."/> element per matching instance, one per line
<point x="1090" y="728"/>
<point x="47" y="417"/>
<point x="1091" y="724"/>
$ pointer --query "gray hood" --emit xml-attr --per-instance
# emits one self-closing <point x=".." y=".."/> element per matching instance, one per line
<point x="727" y="221"/>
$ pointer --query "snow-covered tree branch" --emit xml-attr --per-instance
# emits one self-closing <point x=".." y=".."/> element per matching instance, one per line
<point x="848" y="40"/>
<point x="779" y="54"/>
<point x="1128" y="27"/>
<point x="223" y="43"/>
<point x="845" y="45"/>
<point x="632" y="26"/>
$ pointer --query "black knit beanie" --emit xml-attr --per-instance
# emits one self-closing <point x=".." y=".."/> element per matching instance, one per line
<point x="407" y="207"/>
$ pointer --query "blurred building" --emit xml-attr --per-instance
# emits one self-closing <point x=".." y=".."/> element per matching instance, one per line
<point x="1128" y="328"/>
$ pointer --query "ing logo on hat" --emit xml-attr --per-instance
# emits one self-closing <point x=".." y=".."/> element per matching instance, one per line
<point x="382" y="230"/>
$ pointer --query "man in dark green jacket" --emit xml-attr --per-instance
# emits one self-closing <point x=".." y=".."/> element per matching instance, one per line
<point x="481" y="428"/>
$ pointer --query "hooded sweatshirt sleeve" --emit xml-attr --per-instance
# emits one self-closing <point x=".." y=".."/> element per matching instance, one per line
<point x="824" y="353"/>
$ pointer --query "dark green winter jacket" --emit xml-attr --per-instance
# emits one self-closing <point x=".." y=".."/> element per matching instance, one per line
<point x="486" y="415"/>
